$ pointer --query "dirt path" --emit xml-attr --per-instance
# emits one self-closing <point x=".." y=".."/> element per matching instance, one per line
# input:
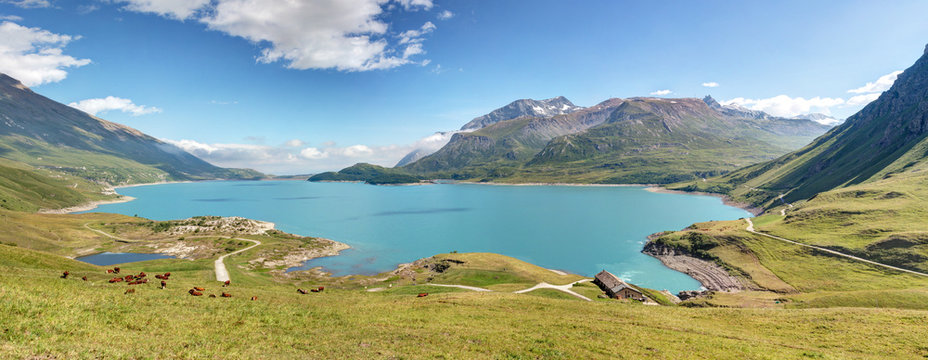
<point x="222" y="274"/>
<point x="564" y="288"/>
<point x="750" y="228"/>
<point x="474" y="288"/>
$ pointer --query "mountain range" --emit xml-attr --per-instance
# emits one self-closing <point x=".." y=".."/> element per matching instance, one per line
<point x="635" y="140"/>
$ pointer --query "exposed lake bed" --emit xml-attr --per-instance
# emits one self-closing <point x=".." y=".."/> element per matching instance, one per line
<point x="578" y="229"/>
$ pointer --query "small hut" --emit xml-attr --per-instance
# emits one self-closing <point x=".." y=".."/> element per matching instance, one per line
<point x="615" y="287"/>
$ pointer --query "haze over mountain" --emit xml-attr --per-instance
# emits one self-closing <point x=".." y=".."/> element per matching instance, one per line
<point x="38" y="131"/>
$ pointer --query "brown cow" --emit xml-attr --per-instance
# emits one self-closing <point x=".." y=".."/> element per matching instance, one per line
<point x="159" y="277"/>
<point x="226" y="283"/>
<point x="65" y="274"/>
<point x="109" y="271"/>
<point x="164" y="284"/>
<point x="301" y="291"/>
<point x="314" y="290"/>
<point x="321" y="288"/>
<point x="116" y="270"/>
<point x="142" y="274"/>
<point x="84" y="278"/>
<point x="225" y="294"/>
<point x="129" y="277"/>
<point x="253" y="298"/>
<point x="195" y="293"/>
<point x="197" y="288"/>
<point x="167" y="274"/>
<point x="116" y="280"/>
<point x="422" y="295"/>
<point x="129" y="291"/>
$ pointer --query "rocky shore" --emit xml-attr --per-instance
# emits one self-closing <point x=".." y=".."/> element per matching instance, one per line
<point x="712" y="276"/>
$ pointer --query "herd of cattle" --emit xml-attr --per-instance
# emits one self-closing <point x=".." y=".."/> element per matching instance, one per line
<point x="141" y="278"/>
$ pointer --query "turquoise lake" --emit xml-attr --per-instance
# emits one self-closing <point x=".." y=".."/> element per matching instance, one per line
<point x="579" y="229"/>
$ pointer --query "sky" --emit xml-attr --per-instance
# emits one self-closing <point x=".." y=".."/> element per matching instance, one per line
<point x="295" y="87"/>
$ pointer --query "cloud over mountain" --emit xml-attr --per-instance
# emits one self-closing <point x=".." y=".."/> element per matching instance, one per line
<point x="100" y="105"/>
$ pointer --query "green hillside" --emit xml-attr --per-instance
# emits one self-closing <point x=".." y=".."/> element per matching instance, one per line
<point x="46" y="134"/>
<point x="860" y="189"/>
<point x="889" y="136"/>
<point x="47" y="316"/>
<point x="23" y="188"/>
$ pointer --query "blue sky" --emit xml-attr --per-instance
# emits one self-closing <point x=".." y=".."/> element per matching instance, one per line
<point x="327" y="83"/>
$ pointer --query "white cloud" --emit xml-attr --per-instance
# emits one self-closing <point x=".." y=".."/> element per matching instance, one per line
<point x="99" y="105"/>
<point x="880" y="85"/>
<point x="294" y="143"/>
<point x="412" y="4"/>
<point x="220" y="102"/>
<point x="11" y="18"/>
<point x="347" y="35"/>
<point x="35" y="56"/>
<point x="661" y="92"/>
<point x="445" y="15"/>
<point x="862" y="99"/>
<point x="174" y="9"/>
<point x="28" y="4"/>
<point x="710" y="84"/>
<point x="313" y="153"/>
<point x="415" y="36"/>
<point x="785" y="106"/>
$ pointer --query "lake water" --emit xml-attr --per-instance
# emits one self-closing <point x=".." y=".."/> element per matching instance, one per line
<point x="580" y="229"/>
<point x="108" y="258"/>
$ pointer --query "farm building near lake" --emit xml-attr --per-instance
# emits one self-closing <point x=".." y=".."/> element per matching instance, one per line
<point x="616" y="288"/>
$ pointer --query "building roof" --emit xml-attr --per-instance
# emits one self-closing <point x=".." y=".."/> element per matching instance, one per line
<point x="608" y="280"/>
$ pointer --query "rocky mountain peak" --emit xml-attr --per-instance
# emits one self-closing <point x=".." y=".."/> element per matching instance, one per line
<point x="524" y="107"/>
<point x="709" y="100"/>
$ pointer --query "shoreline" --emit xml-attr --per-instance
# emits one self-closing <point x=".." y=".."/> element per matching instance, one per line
<point x="546" y="184"/>
<point x="710" y="275"/>
<point x="86" y="206"/>
<point x="726" y="200"/>
<point x="107" y="191"/>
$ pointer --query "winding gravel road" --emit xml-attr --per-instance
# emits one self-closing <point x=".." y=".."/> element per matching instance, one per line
<point x="750" y="228"/>
<point x="222" y="274"/>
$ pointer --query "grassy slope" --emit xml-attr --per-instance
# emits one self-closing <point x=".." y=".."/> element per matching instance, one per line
<point x="45" y="315"/>
<point x="23" y="188"/>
